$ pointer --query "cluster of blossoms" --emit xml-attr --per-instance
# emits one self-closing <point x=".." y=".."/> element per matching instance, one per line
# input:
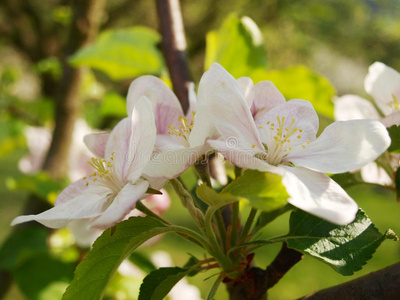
<point x="383" y="84"/>
<point x="253" y="126"/>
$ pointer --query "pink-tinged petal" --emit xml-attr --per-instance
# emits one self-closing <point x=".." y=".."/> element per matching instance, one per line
<point x="84" y="206"/>
<point x="227" y="107"/>
<point x="165" y="142"/>
<point x="246" y="86"/>
<point x="352" y="107"/>
<point x="78" y="188"/>
<point x="343" y="146"/>
<point x="243" y="158"/>
<point x="319" y="195"/>
<point x="392" y="119"/>
<point x="96" y="143"/>
<point x="266" y="96"/>
<point x="133" y="141"/>
<point x="383" y="84"/>
<point x="122" y="204"/>
<point x="172" y="163"/>
<point x="83" y="235"/>
<point x="374" y="174"/>
<point x="166" y="106"/>
<point x="158" y="203"/>
<point x="298" y="114"/>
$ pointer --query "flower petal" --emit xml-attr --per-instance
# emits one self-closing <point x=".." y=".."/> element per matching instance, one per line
<point x="319" y="195"/>
<point x="243" y="158"/>
<point x="170" y="164"/>
<point x="266" y="96"/>
<point x="122" y="204"/>
<point x="343" y="146"/>
<point x="84" y="206"/>
<point x="96" y="142"/>
<point x="299" y="112"/>
<point x="352" y="107"/>
<point x="383" y="84"/>
<point x="133" y="141"/>
<point x="375" y="174"/>
<point x="166" y="106"/>
<point x="246" y="86"/>
<point x="84" y="236"/>
<point x="227" y="107"/>
<point x="392" y="119"/>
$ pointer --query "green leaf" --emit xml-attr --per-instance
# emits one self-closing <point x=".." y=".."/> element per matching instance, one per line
<point x="394" y="133"/>
<point x="237" y="46"/>
<point x="214" y="199"/>
<point x="158" y="283"/>
<point x="346" y="180"/>
<point x="299" y="82"/>
<point x="123" y="53"/>
<point x="263" y="190"/>
<point x="113" y="105"/>
<point x="43" y="277"/>
<point x="345" y="248"/>
<point x="108" y="252"/>
<point x="22" y="245"/>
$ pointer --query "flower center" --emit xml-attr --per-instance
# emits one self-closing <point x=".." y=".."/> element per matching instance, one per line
<point x="182" y="133"/>
<point x="278" y="140"/>
<point x="104" y="174"/>
<point x="395" y="104"/>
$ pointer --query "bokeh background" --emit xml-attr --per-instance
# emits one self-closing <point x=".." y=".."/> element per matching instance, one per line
<point x="313" y="49"/>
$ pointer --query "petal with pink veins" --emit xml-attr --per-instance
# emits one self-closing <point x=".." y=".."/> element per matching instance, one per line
<point x="96" y="142"/>
<point x="166" y="106"/>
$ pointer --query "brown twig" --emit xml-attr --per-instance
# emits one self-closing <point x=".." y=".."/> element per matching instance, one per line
<point x="174" y="48"/>
<point x="282" y="263"/>
<point x="382" y="284"/>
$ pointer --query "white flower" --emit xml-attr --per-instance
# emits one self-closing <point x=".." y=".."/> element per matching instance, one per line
<point x="111" y="192"/>
<point x="280" y="137"/>
<point x="383" y="84"/>
<point x="181" y="139"/>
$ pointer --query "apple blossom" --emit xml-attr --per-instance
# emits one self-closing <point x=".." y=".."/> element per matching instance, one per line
<point x="108" y="194"/>
<point x="276" y="136"/>
<point x="383" y="84"/>
<point x="181" y="139"/>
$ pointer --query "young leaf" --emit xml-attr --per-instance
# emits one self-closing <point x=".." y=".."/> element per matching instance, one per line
<point x="237" y="46"/>
<point x="158" y="283"/>
<point x="214" y="199"/>
<point x="345" y="248"/>
<point x="263" y="190"/>
<point x="95" y="271"/>
<point x="123" y="53"/>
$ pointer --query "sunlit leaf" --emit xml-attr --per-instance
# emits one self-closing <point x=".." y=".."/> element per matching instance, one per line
<point x="299" y="82"/>
<point x="345" y="248"/>
<point x="113" y="105"/>
<point x="263" y="190"/>
<point x="123" y="53"/>
<point x="237" y="46"/>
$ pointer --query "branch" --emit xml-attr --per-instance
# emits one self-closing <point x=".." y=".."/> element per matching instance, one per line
<point x="382" y="284"/>
<point x="282" y="263"/>
<point x="174" y="47"/>
<point x="68" y="103"/>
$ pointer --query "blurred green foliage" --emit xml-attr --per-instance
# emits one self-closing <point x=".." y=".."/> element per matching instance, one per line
<point x="123" y="53"/>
